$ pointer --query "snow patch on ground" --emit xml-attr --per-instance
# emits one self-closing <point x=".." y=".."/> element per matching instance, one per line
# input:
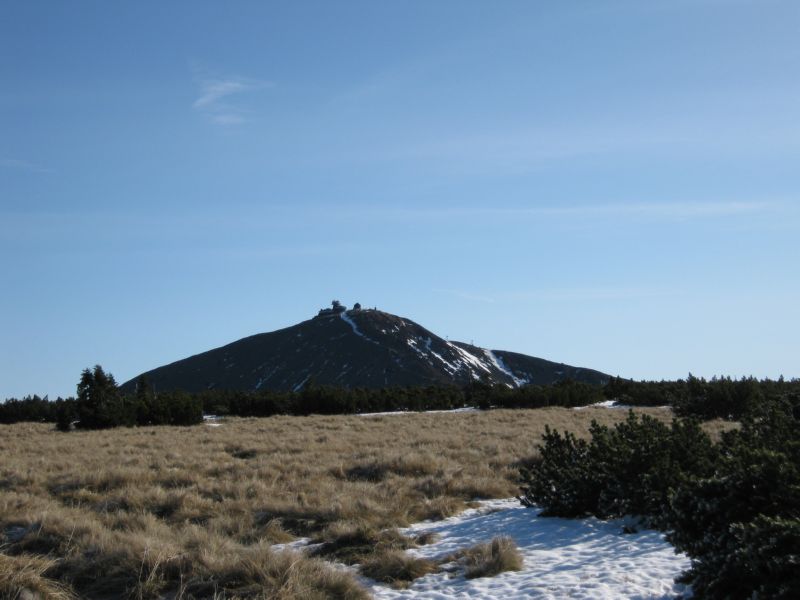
<point x="611" y="404"/>
<point x="564" y="558"/>
<point x="466" y="409"/>
<point x="300" y="544"/>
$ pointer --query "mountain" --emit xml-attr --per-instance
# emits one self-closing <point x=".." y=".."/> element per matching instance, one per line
<point x="355" y="348"/>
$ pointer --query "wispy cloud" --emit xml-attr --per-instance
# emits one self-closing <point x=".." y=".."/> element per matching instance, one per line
<point x="658" y="211"/>
<point x="219" y="97"/>
<point x="560" y="294"/>
<point x="214" y="90"/>
<point x="671" y="210"/>
<point x="521" y="149"/>
<point x="22" y="165"/>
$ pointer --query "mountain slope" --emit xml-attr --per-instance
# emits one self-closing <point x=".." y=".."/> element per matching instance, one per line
<point x="355" y="348"/>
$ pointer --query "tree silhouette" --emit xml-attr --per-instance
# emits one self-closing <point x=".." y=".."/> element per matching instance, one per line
<point x="100" y="404"/>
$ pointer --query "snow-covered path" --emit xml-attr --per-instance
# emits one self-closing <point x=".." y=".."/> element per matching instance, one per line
<point x="564" y="558"/>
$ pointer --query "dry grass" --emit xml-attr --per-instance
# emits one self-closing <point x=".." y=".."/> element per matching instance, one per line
<point x="489" y="559"/>
<point x="22" y="577"/>
<point x="351" y="543"/>
<point x="397" y="568"/>
<point x="144" y="512"/>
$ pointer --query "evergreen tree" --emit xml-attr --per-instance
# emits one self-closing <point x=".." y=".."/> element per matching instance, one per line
<point x="100" y="403"/>
<point x="145" y="402"/>
<point x="65" y="414"/>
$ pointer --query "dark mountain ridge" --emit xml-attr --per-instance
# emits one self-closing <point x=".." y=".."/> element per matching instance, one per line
<point x="355" y="348"/>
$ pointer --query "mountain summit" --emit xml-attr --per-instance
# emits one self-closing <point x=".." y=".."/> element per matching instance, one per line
<point x="355" y="348"/>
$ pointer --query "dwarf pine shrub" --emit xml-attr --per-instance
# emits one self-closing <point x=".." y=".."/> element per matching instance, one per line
<point x="627" y="469"/>
<point x="562" y="481"/>
<point x="741" y="525"/>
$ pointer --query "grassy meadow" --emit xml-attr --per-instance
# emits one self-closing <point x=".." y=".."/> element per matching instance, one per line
<point x="194" y="512"/>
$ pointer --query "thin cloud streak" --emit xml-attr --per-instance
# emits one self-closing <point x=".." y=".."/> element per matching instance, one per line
<point x="216" y="94"/>
<point x="278" y="215"/>
<point x="561" y="294"/>
<point x="213" y="90"/>
<point x="660" y="211"/>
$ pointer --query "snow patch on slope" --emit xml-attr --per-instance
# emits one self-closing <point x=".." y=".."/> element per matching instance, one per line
<point x="497" y="361"/>
<point x="356" y="330"/>
<point x="449" y="367"/>
<point x="472" y="361"/>
<point x="264" y="378"/>
<point x="300" y="385"/>
<point x="428" y="352"/>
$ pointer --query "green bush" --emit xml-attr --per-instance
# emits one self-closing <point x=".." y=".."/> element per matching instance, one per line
<point x="629" y="469"/>
<point x="740" y="525"/>
<point x="66" y="413"/>
<point x="561" y="481"/>
<point x="181" y="408"/>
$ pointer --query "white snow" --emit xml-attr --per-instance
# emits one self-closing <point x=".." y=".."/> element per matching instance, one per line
<point x="428" y="352"/>
<point x="264" y="378"/>
<point x="563" y="558"/>
<point x="466" y="409"/>
<point x="449" y="367"/>
<point x="497" y="361"/>
<point x="356" y="330"/>
<point x="300" y="385"/>
<point x="605" y="404"/>
<point x="471" y="359"/>
<point x="302" y="544"/>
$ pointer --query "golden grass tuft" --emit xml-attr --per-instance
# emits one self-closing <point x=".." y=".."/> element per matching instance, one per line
<point x="351" y="543"/>
<point x="23" y="577"/>
<point x="425" y="538"/>
<point x="490" y="558"/>
<point x="397" y="568"/>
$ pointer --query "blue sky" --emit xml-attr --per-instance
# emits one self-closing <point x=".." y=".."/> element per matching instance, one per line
<point x="611" y="184"/>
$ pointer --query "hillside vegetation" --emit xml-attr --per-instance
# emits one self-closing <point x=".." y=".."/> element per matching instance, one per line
<point x="100" y="403"/>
